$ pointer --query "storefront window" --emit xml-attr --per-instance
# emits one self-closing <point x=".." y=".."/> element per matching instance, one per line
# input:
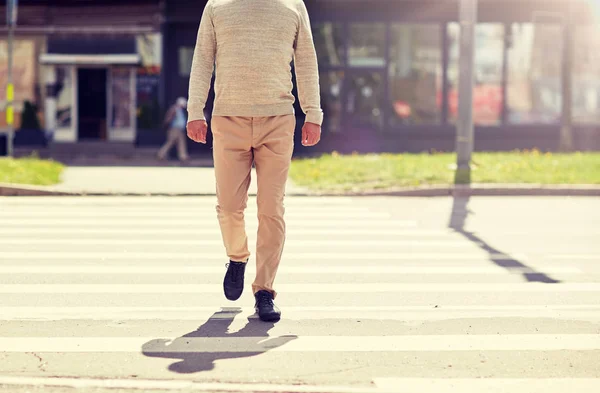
<point x="122" y="97"/>
<point x="487" y="92"/>
<point x="329" y="44"/>
<point x="586" y="75"/>
<point x="534" y="73"/>
<point x="415" y="74"/>
<point x="367" y="45"/>
<point x="64" y="97"/>
<point x="23" y="73"/>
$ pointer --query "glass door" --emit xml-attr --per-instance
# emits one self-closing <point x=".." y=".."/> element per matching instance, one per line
<point x="121" y="103"/>
<point x="66" y="104"/>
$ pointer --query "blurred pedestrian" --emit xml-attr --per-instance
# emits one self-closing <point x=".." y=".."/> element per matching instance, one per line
<point x="253" y="44"/>
<point x="175" y="121"/>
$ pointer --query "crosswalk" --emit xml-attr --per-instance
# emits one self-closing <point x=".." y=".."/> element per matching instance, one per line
<point x="377" y="294"/>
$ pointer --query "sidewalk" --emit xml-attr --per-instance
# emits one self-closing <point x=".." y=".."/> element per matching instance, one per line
<point x="143" y="180"/>
<point x="197" y="178"/>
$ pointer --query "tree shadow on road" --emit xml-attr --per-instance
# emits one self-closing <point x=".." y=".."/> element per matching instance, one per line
<point x="199" y="350"/>
<point x="458" y="218"/>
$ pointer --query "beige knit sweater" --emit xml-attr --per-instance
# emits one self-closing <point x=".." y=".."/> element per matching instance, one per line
<point x="250" y="45"/>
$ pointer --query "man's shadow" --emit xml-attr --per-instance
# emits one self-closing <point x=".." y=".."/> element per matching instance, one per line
<point x="198" y="350"/>
<point x="460" y="212"/>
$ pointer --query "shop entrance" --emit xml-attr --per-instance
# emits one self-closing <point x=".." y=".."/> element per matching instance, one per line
<point x="91" y="102"/>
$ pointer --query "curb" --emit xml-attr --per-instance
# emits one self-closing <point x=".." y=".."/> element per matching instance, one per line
<point x="479" y="190"/>
<point x="427" y="191"/>
<point x="23" y="190"/>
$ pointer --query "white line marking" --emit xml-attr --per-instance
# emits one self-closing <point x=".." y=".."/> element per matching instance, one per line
<point x="390" y="313"/>
<point x="193" y="205"/>
<point x="194" y="222"/>
<point x="488" y="385"/>
<point x="164" y="210"/>
<point x="408" y="343"/>
<point x="214" y="230"/>
<point x="217" y="242"/>
<point x="197" y="256"/>
<point x="301" y="288"/>
<point x="343" y="270"/>
<point x="148" y="385"/>
<point x="136" y="201"/>
<point x="108" y="214"/>
<point x="594" y="257"/>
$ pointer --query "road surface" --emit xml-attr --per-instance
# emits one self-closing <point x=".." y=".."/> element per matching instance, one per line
<point x="377" y="294"/>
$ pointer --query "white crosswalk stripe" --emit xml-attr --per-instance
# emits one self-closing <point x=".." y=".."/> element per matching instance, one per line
<point x="321" y="270"/>
<point x="412" y="343"/>
<point x="362" y="287"/>
<point x="490" y="385"/>
<point x="396" y="313"/>
<point x="301" y="288"/>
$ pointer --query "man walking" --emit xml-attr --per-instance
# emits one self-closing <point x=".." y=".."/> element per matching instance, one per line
<point x="175" y="121"/>
<point x="250" y="44"/>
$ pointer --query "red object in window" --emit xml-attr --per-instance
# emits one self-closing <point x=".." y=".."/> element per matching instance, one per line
<point x="487" y="103"/>
<point x="402" y="109"/>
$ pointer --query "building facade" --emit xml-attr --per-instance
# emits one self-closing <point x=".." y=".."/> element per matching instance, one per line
<point x="389" y="70"/>
<point x="87" y="66"/>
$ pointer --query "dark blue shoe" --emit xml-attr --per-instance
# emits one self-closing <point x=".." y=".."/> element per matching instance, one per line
<point x="265" y="307"/>
<point x="233" y="285"/>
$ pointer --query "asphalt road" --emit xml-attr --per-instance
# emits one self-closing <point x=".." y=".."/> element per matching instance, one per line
<point x="377" y="294"/>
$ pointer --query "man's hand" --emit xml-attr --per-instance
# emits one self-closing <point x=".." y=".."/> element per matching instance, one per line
<point x="311" y="134"/>
<point x="196" y="130"/>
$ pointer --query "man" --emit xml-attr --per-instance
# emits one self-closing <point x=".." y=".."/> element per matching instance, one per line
<point x="176" y="123"/>
<point x="251" y="44"/>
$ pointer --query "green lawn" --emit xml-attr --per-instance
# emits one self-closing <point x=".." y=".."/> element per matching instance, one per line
<point x="31" y="171"/>
<point x="334" y="172"/>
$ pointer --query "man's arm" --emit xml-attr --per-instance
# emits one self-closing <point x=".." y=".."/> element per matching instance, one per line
<point x="307" y="69"/>
<point x="202" y="66"/>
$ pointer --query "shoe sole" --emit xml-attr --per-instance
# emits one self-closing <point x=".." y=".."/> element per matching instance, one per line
<point x="232" y="298"/>
<point x="270" y="318"/>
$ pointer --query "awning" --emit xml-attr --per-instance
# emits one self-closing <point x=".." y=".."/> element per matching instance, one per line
<point x="91" y="51"/>
<point x="116" y="59"/>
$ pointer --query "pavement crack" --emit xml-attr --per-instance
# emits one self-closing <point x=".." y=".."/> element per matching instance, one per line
<point x="42" y="365"/>
<point x="331" y="372"/>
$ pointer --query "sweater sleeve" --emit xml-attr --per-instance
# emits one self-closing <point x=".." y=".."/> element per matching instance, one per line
<point x="202" y="66"/>
<point x="307" y="69"/>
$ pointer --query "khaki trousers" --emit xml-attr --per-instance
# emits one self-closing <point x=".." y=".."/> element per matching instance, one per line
<point x="237" y="143"/>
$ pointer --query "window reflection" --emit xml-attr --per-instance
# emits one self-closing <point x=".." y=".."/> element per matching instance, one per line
<point x="331" y="97"/>
<point x="64" y="97"/>
<point x="367" y="45"/>
<point x="586" y="75"/>
<point x="534" y="73"/>
<point x="415" y="74"/>
<point x="328" y="38"/>
<point x="487" y="92"/>
<point x="121" y="97"/>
